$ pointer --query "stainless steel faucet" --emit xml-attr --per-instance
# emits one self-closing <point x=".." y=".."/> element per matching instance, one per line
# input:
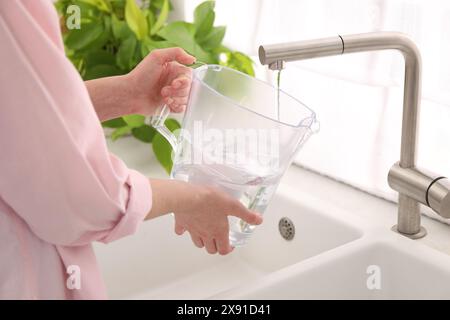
<point x="413" y="185"/>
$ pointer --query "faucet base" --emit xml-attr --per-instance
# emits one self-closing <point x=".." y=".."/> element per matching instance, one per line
<point x="422" y="233"/>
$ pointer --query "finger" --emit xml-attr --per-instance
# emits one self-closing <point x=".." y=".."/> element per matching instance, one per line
<point x="178" y="73"/>
<point x="223" y="244"/>
<point x="169" y="91"/>
<point x="178" y="81"/>
<point x="172" y="54"/>
<point x="243" y="213"/>
<point x="181" y="82"/>
<point x="178" y="69"/>
<point x="177" y="108"/>
<point x="179" y="101"/>
<point x="197" y="241"/>
<point x="180" y="92"/>
<point x="173" y="106"/>
<point x="178" y="86"/>
<point x="179" y="230"/>
<point x="210" y="246"/>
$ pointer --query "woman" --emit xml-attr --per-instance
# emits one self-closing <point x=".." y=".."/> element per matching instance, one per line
<point x="60" y="188"/>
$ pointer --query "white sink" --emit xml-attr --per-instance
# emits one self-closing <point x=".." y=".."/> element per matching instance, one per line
<point x="329" y="258"/>
<point x="391" y="268"/>
<point x="340" y="233"/>
<point x="155" y="263"/>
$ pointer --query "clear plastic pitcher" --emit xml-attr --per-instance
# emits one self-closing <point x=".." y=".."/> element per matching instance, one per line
<point x="239" y="134"/>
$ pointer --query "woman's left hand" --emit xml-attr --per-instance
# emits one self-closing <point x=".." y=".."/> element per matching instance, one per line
<point x="161" y="78"/>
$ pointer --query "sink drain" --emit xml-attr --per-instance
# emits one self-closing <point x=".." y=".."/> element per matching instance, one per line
<point x="286" y="228"/>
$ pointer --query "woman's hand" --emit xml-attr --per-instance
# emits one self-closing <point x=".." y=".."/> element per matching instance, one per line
<point x="206" y="218"/>
<point x="200" y="210"/>
<point x="161" y="78"/>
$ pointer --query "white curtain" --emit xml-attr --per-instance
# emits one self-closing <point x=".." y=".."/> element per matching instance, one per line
<point x="357" y="97"/>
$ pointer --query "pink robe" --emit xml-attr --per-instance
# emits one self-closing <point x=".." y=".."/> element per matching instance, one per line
<point x="60" y="188"/>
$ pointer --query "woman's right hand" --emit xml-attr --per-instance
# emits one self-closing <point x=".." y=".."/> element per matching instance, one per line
<point x="202" y="211"/>
<point x="206" y="218"/>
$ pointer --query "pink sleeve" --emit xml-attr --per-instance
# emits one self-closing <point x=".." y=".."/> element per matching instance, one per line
<point x="55" y="169"/>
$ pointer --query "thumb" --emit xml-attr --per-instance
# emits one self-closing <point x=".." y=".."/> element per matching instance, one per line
<point x="248" y="216"/>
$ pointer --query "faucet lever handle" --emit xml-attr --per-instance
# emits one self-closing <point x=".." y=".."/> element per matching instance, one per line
<point x="438" y="197"/>
<point x="427" y="188"/>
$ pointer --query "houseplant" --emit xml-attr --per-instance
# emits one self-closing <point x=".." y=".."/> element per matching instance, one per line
<point x="115" y="35"/>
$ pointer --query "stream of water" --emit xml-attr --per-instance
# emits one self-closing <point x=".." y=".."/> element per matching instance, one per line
<point x="278" y="94"/>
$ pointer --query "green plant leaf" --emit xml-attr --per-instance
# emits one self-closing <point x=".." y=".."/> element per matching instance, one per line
<point x="172" y="124"/>
<point x="150" y="19"/>
<point x="100" y="41"/>
<point x="144" y="133"/>
<point x="134" y="120"/>
<point x="182" y="34"/>
<point x="103" y="5"/>
<point x="239" y="61"/>
<point x="136" y="19"/>
<point x="80" y="38"/>
<point x="120" y="132"/>
<point x="125" y="54"/>
<point x="114" y="123"/>
<point x="214" y="38"/>
<point x="158" y="4"/>
<point x="163" y="152"/>
<point x="163" y="44"/>
<point x="118" y="7"/>
<point x="162" y="18"/>
<point x="99" y="57"/>
<point x="161" y="147"/>
<point x="101" y="71"/>
<point x="137" y="57"/>
<point x="147" y="46"/>
<point x="120" y="29"/>
<point x="204" y="19"/>
<point x="89" y="9"/>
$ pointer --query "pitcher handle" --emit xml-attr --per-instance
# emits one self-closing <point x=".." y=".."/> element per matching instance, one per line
<point x="157" y="121"/>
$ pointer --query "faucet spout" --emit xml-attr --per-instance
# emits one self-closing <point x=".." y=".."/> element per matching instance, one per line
<point x="413" y="185"/>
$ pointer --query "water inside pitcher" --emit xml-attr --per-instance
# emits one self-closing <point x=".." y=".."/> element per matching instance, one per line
<point x="239" y="134"/>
